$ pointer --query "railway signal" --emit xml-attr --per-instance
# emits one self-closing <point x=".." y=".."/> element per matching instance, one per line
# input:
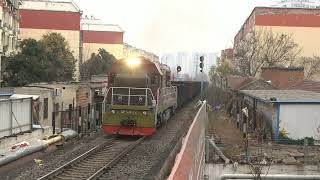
<point x="201" y="70"/>
<point x="178" y="69"/>
<point x="201" y="63"/>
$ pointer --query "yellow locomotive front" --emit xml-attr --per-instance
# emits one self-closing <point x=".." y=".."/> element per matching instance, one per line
<point x="134" y="104"/>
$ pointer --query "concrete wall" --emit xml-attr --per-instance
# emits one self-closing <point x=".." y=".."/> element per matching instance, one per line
<point x="7" y="143"/>
<point x="190" y="160"/>
<point x="68" y="97"/>
<point x="43" y="93"/>
<point x="300" y="120"/>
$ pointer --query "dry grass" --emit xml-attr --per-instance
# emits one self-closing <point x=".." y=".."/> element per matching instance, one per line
<point x="224" y="129"/>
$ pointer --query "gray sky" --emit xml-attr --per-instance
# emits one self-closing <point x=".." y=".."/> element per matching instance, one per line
<point x="174" y="25"/>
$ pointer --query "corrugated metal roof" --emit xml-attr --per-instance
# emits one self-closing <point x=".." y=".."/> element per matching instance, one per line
<point x="5" y="94"/>
<point x="284" y="96"/>
<point x="22" y="96"/>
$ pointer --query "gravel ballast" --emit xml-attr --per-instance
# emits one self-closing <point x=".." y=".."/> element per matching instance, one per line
<point x="53" y="157"/>
<point x="143" y="162"/>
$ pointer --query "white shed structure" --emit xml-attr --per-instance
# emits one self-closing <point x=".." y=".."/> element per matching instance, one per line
<point x="15" y="116"/>
<point x="293" y="112"/>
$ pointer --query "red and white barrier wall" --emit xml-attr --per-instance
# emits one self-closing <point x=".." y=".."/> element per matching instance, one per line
<point x="190" y="161"/>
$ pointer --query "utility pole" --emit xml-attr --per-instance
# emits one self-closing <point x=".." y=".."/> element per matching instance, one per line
<point x="201" y="70"/>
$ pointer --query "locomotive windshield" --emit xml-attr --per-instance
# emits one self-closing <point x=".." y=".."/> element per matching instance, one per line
<point x="131" y="80"/>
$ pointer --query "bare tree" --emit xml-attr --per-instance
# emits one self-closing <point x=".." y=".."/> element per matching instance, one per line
<point x="311" y="66"/>
<point x="264" y="49"/>
<point x="247" y="53"/>
<point x="279" y="49"/>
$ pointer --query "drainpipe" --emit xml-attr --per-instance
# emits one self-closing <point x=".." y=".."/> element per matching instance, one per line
<point x="269" y="176"/>
<point x="12" y="156"/>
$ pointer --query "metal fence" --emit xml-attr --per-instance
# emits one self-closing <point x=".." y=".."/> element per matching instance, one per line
<point x="15" y="116"/>
<point x="81" y="119"/>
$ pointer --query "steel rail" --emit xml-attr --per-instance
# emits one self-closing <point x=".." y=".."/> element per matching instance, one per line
<point x="85" y="155"/>
<point x="113" y="162"/>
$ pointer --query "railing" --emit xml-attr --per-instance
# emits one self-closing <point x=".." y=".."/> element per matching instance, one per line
<point x="129" y="96"/>
<point x="169" y="91"/>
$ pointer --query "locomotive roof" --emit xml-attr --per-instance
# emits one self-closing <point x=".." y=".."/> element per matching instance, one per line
<point x="144" y="61"/>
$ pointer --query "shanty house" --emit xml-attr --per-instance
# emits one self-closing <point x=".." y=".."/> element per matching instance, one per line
<point x="290" y="114"/>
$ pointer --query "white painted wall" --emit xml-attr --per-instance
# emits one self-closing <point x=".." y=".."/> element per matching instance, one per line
<point x="300" y="120"/>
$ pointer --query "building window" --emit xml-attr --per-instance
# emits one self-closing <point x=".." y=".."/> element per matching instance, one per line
<point x="45" y="108"/>
<point x="57" y="107"/>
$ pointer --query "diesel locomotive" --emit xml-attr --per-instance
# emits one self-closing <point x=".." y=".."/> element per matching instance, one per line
<point x="139" y="97"/>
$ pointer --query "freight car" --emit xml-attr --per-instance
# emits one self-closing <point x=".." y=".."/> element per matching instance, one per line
<point x="187" y="90"/>
<point x="140" y="97"/>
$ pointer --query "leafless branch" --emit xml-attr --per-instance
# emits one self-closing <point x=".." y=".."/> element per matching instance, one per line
<point x="264" y="48"/>
<point x="312" y="66"/>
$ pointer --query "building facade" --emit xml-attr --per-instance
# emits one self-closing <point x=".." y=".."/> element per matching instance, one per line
<point x="131" y="51"/>
<point x="40" y="17"/>
<point x="96" y="35"/>
<point x="9" y="30"/>
<point x="298" y="4"/>
<point x="302" y="23"/>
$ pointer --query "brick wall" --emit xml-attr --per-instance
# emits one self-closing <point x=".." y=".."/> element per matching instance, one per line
<point x="282" y="78"/>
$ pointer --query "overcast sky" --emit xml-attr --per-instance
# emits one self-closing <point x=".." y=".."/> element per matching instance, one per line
<point x="174" y="25"/>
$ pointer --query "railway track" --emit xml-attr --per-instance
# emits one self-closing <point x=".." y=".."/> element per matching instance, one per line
<point x="95" y="162"/>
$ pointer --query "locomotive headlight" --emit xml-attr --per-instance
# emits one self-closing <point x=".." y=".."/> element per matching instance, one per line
<point x="133" y="62"/>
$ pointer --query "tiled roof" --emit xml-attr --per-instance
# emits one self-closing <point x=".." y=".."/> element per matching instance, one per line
<point x="284" y="96"/>
<point x="235" y="82"/>
<point x="307" y="85"/>
<point x="258" y="84"/>
<point x="285" y="68"/>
